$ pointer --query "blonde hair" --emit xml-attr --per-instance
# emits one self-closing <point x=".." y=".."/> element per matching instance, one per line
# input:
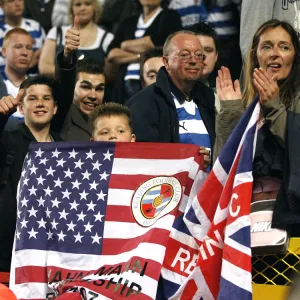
<point x="16" y="30"/>
<point x="97" y="11"/>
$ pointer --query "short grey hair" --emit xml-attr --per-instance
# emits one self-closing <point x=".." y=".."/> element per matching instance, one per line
<point x="168" y="42"/>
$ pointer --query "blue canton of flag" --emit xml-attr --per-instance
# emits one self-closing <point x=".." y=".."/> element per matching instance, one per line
<point x="44" y="218"/>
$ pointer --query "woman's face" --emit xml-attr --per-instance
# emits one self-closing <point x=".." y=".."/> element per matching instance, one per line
<point x="275" y="52"/>
<point x="84" y="9"/>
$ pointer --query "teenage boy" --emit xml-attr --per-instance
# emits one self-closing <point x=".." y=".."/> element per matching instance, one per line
<point x="111" y="122"/>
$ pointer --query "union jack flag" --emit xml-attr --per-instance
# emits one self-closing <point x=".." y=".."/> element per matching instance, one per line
<point x="96" y="217"/>
<point x="209" y="253"/>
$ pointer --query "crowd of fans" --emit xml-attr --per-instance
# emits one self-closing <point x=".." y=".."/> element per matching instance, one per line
<point x="151" y="71"/>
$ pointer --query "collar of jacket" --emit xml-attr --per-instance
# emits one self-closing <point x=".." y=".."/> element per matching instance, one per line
<point x="165" y="85"/>
<point x="28" y="135"/>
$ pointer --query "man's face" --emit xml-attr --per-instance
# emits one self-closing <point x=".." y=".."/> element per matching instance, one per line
<point x="185" y="60"/>
<point x="112" y="129"/>
<point x="18" y="52"/>
<point x="13" y="8"/>
<point x="38" y="106"/>
<point x="151" y="67"/>
<point x="89" y="91"/>
<point x="211" y="54"/>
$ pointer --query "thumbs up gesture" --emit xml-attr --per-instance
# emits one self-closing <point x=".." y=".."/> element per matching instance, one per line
<point x="72" y="38"/>
<point x="9" y="103"/>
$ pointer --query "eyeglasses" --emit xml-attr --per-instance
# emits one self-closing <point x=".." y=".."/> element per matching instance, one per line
<point x="187" y="56"/>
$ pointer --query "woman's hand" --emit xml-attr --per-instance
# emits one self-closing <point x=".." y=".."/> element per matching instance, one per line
<point x="226" y="89"/>
<point x="265" y="85"/>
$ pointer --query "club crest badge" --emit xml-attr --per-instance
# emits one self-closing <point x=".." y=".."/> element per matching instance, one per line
<point x="154" y="199"/>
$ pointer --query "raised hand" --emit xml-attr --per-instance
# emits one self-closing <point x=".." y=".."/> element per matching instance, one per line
<point x="206" y="152"/>
<point x="265" y="85"/>
<point x="72" y="38"/>
<point x="9" y="103"/>
<point x="226" y="89"/>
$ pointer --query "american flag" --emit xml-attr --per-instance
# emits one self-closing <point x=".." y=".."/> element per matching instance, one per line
<point x="209" y="252"/>
<point x="84" y="218"/>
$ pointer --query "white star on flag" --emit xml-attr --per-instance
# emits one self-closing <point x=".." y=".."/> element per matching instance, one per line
<point x="41" y="201"/>
<point x="107" y="155"/>
<point x="58" y="182"/>
<point x="50" y="171"/>
<point x="32" y="212"/>
<point x="83" y="195"/>
<point x="66" y="194"/>
<point x="74" y="205"/>
<point x="63" y="214"/>
<point x="76" y="184"/>
<point x="78" y="237"/>
<point x="88" y="227"/>
<point x="50" y="234"/>
<point x="78" y="164"/>
<point x="68" y="173"/>
<point x="48" y="191"/>
<point x="98" y="217"/>
<point x="90" y="154"/>
<point x="96" y="238"/>
<point x="33" y="169"/>
<point x="24" y="202"/>
<point x="60" y="162"/>
<point x="73" y="154"/>
<point x="40" y="180"/>
<point x="81" y="216"/>
<point x="24" y="223"/>
<point x="93" y="185"/>
<point x="61" y="236"/>
<point x="55" y="153"/>
<point x="39" y="153"/>
<point x="54" y="224"/>
<point x="55" y="202"/>
<point x="32" y="233"/>
<point x="91" y="206"/>
<point x="96" y="165"/>
<point x="43" y="161"/>
<point x="86" y="175"/>
<point x="104" y="176"/>
<point x="48" y="212"/>
<point x="42" y="223"/>
<point x="32" y="191"/>
<point x="101" y="196"/>
<point x="71" y="226"/>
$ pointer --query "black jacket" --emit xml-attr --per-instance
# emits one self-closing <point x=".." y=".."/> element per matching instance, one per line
<point x="13" y="149"/>
<point x="154" y="113"/>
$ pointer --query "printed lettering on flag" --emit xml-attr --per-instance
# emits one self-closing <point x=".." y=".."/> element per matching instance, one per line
<point x="209" y="253"/>
<point x="96" y="217"/>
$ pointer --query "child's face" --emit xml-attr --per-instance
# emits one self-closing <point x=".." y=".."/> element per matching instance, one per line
<point x="113" y="129"/>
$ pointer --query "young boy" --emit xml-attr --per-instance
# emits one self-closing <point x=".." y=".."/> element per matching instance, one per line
<point x="111" y="122"/>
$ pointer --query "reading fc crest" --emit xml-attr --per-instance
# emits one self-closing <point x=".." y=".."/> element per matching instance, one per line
<point x="155" y="198"/>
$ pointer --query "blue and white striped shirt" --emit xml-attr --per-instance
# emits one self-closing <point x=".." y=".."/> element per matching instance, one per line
<point x="133" y="70"/>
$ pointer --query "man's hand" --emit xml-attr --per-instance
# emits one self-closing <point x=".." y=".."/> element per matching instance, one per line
<point x="9" y="103"/>
<point x="206" y="152"/>
<point x="72" y="39"/>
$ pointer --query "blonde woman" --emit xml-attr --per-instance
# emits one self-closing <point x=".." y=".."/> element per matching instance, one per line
<point x="94" y="41"/>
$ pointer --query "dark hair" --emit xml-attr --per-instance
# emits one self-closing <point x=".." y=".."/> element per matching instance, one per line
<point x="40" y="80"/>
<point x="203" y="28"/>
<point x="288" y="87"/>
<point x="153" y="52"/>
<point x="89" y="66"/>
<point x="108" y="110"/>
<point x="138" y="6"/>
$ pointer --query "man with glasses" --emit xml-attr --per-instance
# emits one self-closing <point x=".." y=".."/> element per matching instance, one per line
<point x="178" y="108"/>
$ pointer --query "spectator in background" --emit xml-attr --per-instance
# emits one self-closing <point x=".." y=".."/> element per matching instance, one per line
<point x="256" y="12"/>
<point x="40" y="11"/>
<point x="18" y="52"/>
<point x="178" y="108"/>
<point x="223" y="15"/>
<point x="94" y="40"/>
<point x="13" y="11"/>
<point x="136" y="35"/>
<point x="151" y="61"/>
<point x="208" y="40"/>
